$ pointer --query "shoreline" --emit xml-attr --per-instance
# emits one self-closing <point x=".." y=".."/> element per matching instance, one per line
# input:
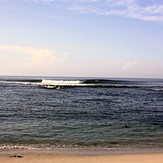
<point x="80" y="150"/>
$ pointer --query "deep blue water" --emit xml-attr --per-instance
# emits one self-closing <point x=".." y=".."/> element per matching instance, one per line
<point x="93" y="115"/>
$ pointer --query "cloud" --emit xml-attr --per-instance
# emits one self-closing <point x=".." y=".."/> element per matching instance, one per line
<point x="149" y="10"/>
<point x="128" y="65"/>
<point x="39" y="60"/>
<point x="36" y="57"/>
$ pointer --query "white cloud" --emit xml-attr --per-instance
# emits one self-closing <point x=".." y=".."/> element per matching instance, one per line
<point x="36" y="57"/>
<point x="128" y="65"/>
<point x="25" y="49"/>
<point x="151" y="10"/>
<point x="126" y="8"/>
<point x="23" y="60"/>
<point x="39" y="60"/>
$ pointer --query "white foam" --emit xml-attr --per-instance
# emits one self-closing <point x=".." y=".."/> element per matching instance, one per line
<point x="61" y="82"/>
<point x="157" y="89"/>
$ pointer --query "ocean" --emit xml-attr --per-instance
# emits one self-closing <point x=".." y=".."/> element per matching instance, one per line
<point x="71" y="112"/>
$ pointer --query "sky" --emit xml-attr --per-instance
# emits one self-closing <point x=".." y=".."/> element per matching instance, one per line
<point x="82" y="38"/>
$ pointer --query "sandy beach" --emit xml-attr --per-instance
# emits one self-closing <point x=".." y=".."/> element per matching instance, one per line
<point x="79" y="158"/>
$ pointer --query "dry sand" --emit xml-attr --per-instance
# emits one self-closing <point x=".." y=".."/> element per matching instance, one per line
<point x="71" y="158"/>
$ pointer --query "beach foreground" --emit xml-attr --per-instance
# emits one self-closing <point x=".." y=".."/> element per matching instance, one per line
<point x="71" y="158"/>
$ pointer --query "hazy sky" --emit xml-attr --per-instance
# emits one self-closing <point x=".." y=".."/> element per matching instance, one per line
<point x="96" y="38"/>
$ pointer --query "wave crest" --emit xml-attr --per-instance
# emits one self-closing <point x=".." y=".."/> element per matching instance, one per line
<point x="61" y="82"/>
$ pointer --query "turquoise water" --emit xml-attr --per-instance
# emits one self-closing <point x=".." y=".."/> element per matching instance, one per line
<point x="106" y="113"/>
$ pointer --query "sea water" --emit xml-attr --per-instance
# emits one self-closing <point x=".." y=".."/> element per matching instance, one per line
<point x="55" y="112"/>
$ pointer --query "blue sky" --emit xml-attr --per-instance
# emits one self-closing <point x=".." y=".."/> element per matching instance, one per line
<point x="96" y="38"/>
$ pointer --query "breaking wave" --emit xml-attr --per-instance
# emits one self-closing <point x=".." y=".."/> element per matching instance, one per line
<point x="61" y="83"/>
<point x="94" y="83"/>
<point x="86" y="82"/>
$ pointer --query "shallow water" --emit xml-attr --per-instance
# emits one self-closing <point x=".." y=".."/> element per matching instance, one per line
<point x="81" y="116"/>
